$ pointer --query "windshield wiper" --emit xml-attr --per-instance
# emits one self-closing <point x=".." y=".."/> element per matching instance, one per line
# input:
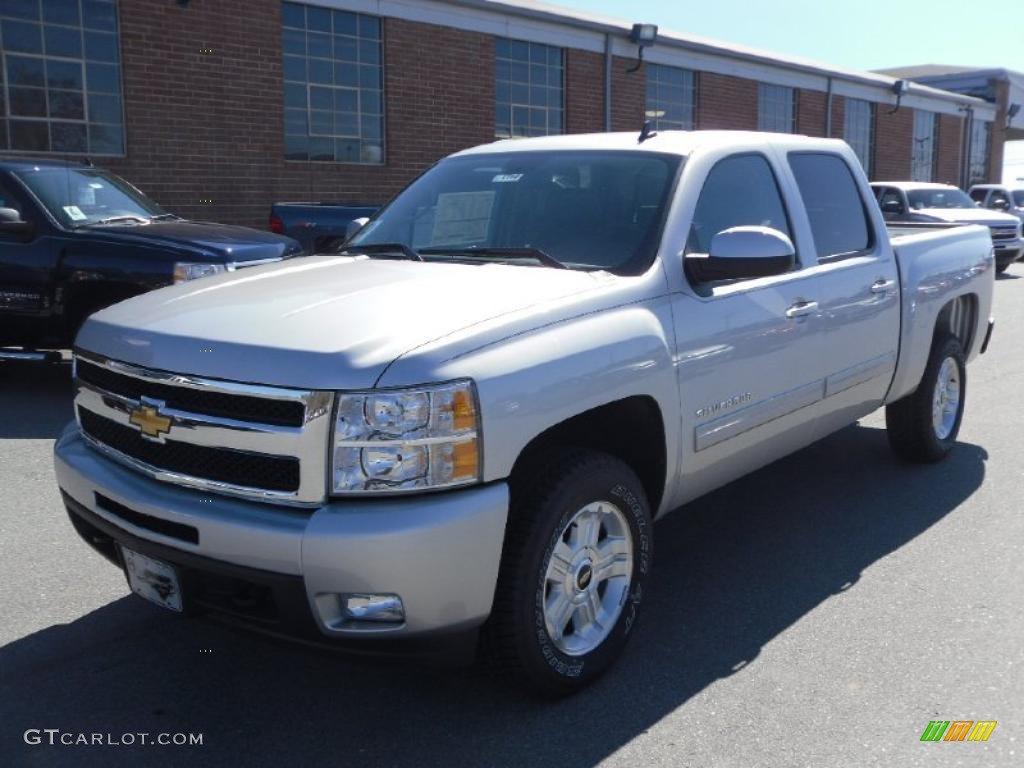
<point x="512" y="253"/>
<point x="382" y="248"/>
<point x="115" y="220"/>
<point x="161" y="216"/>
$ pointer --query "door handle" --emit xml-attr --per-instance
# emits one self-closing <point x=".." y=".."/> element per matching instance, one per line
<point x="802" y="309"/>
<point x="882" y="286"/>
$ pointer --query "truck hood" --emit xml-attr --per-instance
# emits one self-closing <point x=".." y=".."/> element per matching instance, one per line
<point x="226" y="242"/>
<point x="968" y="216"/>
<point x="321" y="322"/>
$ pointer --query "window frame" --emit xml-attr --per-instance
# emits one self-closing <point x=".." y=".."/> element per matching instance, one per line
<point x="511" y="104"/>
<point x="916" y="161"/>
<point x="767" y="92"/>
<point x="307" y="84"/>
<point x="869" y="166"/>
<point x="689" y="88"/>
<point x="83" y="61"/>
<point x="873" y="239"/>
<point x="708" y="290"/>
<point x="984" y="128"/>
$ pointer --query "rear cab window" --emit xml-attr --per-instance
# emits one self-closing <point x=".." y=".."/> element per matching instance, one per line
<point x="835" y="208"/>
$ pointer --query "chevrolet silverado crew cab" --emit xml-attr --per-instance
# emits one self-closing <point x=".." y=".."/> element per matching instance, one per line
<point x="75" y="238"/>
<point x="463" y="424"/>
<point x="999" y="197"/>
<point x="922" y="203"/>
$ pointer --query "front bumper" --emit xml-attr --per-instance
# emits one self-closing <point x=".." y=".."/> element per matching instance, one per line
<point x="1008" y="252"/>
<point x="438" y="552"/>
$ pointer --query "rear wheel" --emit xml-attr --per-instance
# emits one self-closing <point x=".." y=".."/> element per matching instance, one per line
<point x="923" y="426"/>
<point x="576" y="557"/>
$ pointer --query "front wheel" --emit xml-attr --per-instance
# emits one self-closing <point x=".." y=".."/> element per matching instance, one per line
<point x="576" y="556"/>
<point x="923" y="426"/>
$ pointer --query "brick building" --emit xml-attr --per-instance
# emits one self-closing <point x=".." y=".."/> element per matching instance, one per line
<point x="217" y="108"/>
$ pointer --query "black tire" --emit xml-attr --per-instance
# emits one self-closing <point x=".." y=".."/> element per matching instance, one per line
<point x="515" y="638"/>
<point x="909" y="422"/>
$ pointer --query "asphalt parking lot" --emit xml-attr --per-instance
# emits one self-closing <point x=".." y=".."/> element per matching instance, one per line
<point x="817" y="613"/>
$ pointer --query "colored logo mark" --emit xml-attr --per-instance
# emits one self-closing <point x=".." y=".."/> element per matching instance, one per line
<point x="958" y="730"/>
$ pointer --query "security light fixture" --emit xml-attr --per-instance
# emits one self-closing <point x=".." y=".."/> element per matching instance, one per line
<point x="1011" y="112"/>
<point x="642" y="35"/>
<point x="899" y="88"/>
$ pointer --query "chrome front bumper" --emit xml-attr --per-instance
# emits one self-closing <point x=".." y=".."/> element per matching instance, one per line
<point x="438" y="552"/>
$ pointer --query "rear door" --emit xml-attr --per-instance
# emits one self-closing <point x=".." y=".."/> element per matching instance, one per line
<point x="856" y="283"/>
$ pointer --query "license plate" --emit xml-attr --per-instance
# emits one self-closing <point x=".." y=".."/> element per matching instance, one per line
<point x="152" y="579"/>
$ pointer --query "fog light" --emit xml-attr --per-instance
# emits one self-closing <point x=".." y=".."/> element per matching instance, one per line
<point x="384" y="608"/>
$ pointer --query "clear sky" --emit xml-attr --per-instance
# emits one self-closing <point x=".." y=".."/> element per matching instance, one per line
<point x="854" y="34"/>
<point x="859" y="34"/>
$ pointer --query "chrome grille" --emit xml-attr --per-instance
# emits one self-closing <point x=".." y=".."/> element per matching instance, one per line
<point x="1003" y="233"/>
<point x="253" y="441"/>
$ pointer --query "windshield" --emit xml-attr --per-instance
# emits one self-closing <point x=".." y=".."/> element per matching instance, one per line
<point x="939" y="198"/>
<point x="81" y="196"/>
<point x="582" y="209"/>
<point x="1018" y="198"/>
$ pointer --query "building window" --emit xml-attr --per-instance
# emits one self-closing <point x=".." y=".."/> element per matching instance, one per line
<point x="859" y="131"/>
<point x="776" y="108"/>
<point x="670" y="97"/>
<point x="333" y="89"/>
<point x="529" y="93"/>
<point x="980" y="136"/>
<point x="61" y="77"/>
<point x="922" y="163"/>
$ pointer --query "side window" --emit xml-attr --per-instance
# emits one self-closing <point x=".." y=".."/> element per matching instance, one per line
<point x="978" y="195"/>
<point x="7" y="200"/>
<point x="740" y="191"/>
<point x="891" y="201"/>
<point x="999" y="201"/>
<point x="834" y="206"/>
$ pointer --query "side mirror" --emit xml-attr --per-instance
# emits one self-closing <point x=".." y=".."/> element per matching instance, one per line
<point x="12" y="224"/>
<point x="743" y="252"/>
<point x="894" y="207"/>
<point x="354" y="226"/>
<point x="1000" y="205"/>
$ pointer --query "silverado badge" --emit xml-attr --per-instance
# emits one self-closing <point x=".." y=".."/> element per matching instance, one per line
<point x="149" y="421"/>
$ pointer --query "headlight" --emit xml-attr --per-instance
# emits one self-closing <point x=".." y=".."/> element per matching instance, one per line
<point x="406" y="440"/>
<point x="188" y="271"/>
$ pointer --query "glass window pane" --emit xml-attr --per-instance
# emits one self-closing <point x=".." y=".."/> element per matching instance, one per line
<point x="61" y="12"/>
<point x="63" y="41"/>
<point x="370" y="102"/>
<point x="346" y="100"/>
<point x="30" y="136"/>
<point x="346" y="48"/>
<point x="829" y="191"/>
<point x="295" y="147"/>
<point x="22" y="36"/>
<point x="345" y="23"/>
<point x="103" y="78"/>
<point x="25" y="71"/>
<point x="63" y="74"/>
<point x="69" y="137"/>
<point x="104" y="108"/>
<point x="100" y="46"/>
<point x="21" y="9"/>
<point x="369" y="27"/>
<point x="369" y="52"/>
<point x="69" y="105"/>
<point x="321" y="71"/>
<point x="27" y="102"/>
<point x="318" y="19"/>
<point x="294" y="68"/>
<point x="106" y="139"/>
<point x="293" y="15"/>
<point x="294" y="41"/>
<point x="99" y="14"/>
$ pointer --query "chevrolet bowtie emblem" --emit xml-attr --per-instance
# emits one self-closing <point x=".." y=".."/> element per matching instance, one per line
<point x="149" y="421"/>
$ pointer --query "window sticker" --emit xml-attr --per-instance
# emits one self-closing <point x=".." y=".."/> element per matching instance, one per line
<point x="74" y="213"/>
<point x="462" y="217"/>
<point x="507" y="178"/>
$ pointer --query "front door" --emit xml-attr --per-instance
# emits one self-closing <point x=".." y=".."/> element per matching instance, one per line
<point x="747" y="350"/>
<point x="25" y="280"/>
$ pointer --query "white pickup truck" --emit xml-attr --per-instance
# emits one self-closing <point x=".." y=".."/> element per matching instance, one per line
<point x="464" y="424"/>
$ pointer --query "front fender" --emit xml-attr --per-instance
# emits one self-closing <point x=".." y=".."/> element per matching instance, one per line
<point x="532" y="381"/>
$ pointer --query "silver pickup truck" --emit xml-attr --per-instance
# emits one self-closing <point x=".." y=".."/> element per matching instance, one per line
<point x="462" y="426"/>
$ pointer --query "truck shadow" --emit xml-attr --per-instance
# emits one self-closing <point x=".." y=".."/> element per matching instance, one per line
<point x="35" y="399"/>
<point x="732" y="572"/>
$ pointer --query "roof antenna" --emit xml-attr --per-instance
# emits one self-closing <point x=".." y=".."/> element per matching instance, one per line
<point x="647" y="132"/>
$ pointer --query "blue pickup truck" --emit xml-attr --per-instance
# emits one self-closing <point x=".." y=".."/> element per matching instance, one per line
<point x="75" y="239"/>
<point x="316" y="225"/>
